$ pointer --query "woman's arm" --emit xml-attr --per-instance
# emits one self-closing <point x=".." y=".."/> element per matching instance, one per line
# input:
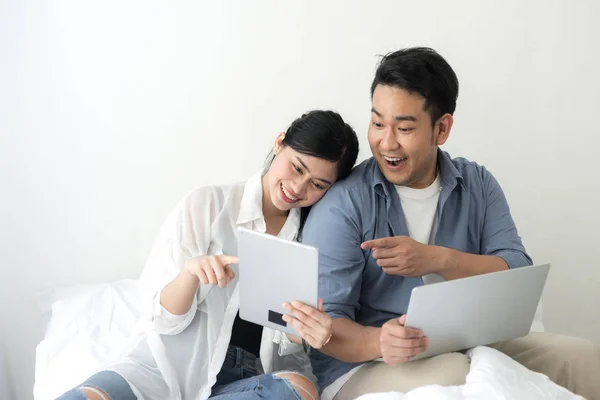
<point x="184" y="236"/>
<point x="178" y="296"/>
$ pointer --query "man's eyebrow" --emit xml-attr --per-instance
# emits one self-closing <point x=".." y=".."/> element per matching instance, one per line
<point x="406" y="118"/>
<point x="397" y="118"/>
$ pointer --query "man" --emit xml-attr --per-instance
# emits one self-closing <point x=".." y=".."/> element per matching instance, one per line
<point x="412" y="215"/>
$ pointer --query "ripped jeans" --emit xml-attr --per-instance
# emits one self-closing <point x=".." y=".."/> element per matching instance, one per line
<point x="238" y="379"/>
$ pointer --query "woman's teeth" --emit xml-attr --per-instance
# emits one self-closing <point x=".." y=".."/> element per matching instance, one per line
<point x="287" y="194"/>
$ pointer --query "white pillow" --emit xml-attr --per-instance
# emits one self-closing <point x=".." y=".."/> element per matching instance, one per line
<point x="89" y="327"/>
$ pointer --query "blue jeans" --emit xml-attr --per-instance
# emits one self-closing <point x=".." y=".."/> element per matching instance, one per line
<point x="109" y="382"/>
<point x="238" y="379"/>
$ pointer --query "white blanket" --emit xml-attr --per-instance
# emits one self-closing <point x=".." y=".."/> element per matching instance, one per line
<point x="493" y="375"/>
<point x="89" y="327"/>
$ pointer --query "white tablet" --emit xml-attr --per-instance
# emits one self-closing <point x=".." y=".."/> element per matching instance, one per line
<point x="479" y="310"/>
<point x="272" y="271"/>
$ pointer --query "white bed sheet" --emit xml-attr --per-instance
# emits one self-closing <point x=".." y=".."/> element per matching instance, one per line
<point x="89" y="327"/>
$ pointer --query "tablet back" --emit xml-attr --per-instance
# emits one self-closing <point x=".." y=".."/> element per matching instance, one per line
<point x="271" y="271"/>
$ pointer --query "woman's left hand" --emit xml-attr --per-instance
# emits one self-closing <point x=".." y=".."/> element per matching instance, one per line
<point x="312" y="324"/>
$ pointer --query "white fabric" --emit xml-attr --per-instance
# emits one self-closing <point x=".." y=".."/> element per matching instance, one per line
<point x="419" y="207"/>
<point x="420" y="213"/>
<point x="493" y="376"/>
<point x="179" y="357"/>
<point x="90" y="326"/>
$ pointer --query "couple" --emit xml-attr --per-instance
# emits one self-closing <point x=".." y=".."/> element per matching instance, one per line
<point x="407" y="216"/>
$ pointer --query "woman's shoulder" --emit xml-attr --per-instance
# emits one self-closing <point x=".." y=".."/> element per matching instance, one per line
<point x="214" y="193"/>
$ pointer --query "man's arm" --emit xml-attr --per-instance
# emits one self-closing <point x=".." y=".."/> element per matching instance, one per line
<point x="501" y="247"/>
<point x="352" y="342"/>
<point x="455" y="264"/>
<point x="334" y="226"/>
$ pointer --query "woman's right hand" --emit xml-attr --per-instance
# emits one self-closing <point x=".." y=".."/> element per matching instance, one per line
<point x="313" y="324"/>
<point x="212" y="270"/>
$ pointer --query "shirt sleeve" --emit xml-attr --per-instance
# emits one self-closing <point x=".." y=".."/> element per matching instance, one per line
<point x="500" y="237"/>
<point x="185" y="234"/>
<point x="333" y="226"/>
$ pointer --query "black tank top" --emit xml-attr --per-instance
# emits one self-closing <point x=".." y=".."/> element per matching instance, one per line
<point x="246" y="335"/>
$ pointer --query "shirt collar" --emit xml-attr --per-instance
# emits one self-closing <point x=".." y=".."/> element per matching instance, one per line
<point x="251" y="208"/>
<point x="449" y="175"/>
<point x="251" y="204"/>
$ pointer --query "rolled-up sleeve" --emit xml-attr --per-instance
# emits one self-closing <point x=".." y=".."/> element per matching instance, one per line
<point x="500" y="236"/>
<point x="184" y="235"/>
<point x="333" y="226"/>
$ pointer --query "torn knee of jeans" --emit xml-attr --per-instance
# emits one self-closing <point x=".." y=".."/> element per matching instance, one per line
<point x="299" y="387"/>
<point x="284" y="374"/>
<point x="90" y="389"/>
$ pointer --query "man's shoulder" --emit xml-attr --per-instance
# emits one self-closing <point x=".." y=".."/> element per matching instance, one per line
<point x="360" y="179"/>
<point x="470" y="171"/>
<point x="353" y="192"/>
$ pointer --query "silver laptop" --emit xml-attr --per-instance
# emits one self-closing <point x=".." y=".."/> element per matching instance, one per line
<point x="272" y="271"/>
<point x="479" y="310"/>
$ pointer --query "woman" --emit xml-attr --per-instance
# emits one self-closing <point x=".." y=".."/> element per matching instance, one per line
<point x="196" y="346"/>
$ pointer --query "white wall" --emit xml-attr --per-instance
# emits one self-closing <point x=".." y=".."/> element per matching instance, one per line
<point x="111" y="111"/>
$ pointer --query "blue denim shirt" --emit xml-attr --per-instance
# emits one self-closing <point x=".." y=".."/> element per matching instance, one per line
<point x="473" y="217"/>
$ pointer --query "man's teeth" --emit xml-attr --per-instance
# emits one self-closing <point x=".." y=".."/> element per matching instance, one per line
<point x="287" y="194"/>
<point x="394" y="159"/>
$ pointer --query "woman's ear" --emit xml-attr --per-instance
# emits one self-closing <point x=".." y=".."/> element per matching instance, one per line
<point x="278" y="142"/>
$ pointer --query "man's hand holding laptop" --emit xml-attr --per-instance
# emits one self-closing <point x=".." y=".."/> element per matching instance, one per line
<point x="401" y="255"/>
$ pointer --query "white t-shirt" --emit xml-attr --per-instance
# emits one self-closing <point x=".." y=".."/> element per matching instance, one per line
<point x="179" y="356"/>
<point x="420" y="208"/>
<point x="420" y="213"/>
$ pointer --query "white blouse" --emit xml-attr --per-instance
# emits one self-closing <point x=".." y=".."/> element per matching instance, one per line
<point x="179" y="356"/>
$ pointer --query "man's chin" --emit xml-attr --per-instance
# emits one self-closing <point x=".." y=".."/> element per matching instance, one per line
<point x="395" y="178"/>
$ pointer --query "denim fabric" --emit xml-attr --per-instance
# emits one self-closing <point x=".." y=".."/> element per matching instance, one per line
<point x="109" y="382"/>
<point x="238" y="380"/>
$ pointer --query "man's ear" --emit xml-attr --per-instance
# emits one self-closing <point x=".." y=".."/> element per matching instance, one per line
<point x="443" y="128"/>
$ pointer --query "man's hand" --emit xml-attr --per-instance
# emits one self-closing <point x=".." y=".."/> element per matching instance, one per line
<point x="400" y="344"/>
<point x="401" y="255"/>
